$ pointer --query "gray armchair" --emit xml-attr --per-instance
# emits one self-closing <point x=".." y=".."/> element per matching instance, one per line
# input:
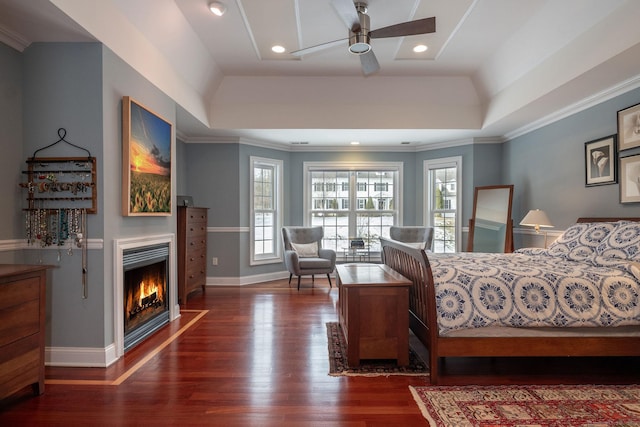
<point x="304" y="255"/>
<point x="413" y="235"/>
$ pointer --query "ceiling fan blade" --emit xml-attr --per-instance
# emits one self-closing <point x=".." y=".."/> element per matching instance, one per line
<point x="369" y="63"/>
<point x="347" y="11"/>
<point x="318" y="47"/>
<point x="411" y="28"/>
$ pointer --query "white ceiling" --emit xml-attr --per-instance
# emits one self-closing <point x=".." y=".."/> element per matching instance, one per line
<point x="494" y="68"/>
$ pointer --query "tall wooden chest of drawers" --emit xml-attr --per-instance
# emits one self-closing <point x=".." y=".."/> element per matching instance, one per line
<point x="192" y="251"/>
<point x="23" y="290"/>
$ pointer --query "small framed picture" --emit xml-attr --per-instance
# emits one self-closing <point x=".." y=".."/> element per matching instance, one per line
<point x="600" y="160"/>
<point x="629" y="127"/>
<point x="630" y="179"/>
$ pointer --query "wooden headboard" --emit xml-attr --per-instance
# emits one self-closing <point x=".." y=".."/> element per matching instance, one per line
<point x="597" y="219"/>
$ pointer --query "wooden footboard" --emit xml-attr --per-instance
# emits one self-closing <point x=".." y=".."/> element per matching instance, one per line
<point x="414" y="265"/>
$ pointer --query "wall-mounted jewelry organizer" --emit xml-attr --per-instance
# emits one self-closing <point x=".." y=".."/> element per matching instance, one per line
<point x="61" y="191"/>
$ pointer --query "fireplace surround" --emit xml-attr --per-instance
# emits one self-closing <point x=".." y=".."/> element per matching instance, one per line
<point x="142" y="308"/>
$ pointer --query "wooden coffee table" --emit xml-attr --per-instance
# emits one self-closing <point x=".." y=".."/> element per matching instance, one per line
<point x="373" y="307"/>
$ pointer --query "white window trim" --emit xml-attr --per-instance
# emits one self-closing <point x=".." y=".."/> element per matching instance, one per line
<point x="440" y="164"/>
<point x="350" y="166"/>
<point x="277" y="256"/>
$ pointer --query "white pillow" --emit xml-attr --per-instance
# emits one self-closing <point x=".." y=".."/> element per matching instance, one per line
<point x="306" y="250"/>
<point x="579" y="242"/>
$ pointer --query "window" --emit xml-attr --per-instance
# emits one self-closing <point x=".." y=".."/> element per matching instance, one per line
<point x="352" y="200"/>
<point x="442" y="202"/>
<point x="266" y="209"/>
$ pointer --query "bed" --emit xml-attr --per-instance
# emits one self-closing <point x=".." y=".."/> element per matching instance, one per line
<point x="580" y="297"/>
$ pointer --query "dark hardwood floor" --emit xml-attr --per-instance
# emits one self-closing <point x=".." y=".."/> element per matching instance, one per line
<point x="257" y="356"/>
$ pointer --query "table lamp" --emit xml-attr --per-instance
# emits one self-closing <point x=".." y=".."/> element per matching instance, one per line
<point x="537" y="218"/>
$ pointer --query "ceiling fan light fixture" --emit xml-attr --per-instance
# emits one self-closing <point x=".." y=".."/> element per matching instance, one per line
<point x="278" y="49"/>
<point x="359" y="41"/>
<point x="217" y="8"/>
<point x="359" y="44"/>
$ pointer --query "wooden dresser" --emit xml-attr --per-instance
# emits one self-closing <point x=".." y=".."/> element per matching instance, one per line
<point x="192" y="251"/>
<point x="23" y="291"/>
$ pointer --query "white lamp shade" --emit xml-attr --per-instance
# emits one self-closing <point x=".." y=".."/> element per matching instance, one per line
<point x="536" y="218"/>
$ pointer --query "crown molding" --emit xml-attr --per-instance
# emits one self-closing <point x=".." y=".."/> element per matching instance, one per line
<point x="583" y="104"/>
<point x="409" y="148"/>
<point x="13" y="40"/>
<point x="460" y="142"/>
<point x="210" y="139"/>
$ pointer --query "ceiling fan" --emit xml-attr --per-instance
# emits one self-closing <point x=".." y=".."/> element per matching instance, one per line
<point x="354" y="15"/>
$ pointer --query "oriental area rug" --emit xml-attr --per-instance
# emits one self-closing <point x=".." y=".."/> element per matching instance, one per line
<point x="539" y="406"/>
<point x="338" y="359"/>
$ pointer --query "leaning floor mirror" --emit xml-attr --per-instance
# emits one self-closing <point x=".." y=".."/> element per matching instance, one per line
<point x="491" y="226"/>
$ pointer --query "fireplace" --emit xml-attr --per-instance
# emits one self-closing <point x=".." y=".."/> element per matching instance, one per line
<point x="145" y="292"/>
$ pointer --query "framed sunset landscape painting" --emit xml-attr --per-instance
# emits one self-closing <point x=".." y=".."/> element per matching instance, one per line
<point x="146" y="161"/>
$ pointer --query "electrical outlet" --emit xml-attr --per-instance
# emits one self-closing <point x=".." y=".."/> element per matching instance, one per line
<point x="214" y="260"/>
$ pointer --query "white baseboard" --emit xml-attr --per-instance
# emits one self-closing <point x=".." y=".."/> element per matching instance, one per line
<point x="246" y="280"/>
<point x="85" y="357"/>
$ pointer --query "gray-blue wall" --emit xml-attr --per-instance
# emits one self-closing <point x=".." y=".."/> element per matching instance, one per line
<point x="79" y="87"/>
<point x="63" y="89"/>
<point x="547" y="167"/>
<point x="11" y="160"/>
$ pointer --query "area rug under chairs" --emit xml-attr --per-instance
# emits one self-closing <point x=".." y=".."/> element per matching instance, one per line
<point x="338" y="359"/>
<point x="539" y="406"/>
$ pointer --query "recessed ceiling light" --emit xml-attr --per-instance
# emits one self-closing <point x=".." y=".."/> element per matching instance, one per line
<point x="420" y="48"/>
<point x="355" y="143"/>
<point x="278" y="49"/>
<point x="217" y="8"/>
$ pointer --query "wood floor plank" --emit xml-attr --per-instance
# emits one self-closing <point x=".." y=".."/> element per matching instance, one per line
<point x="257" y="355"/>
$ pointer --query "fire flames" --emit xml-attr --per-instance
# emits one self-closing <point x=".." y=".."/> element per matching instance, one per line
<point x="147" y="290"/>
<point x="145" y="294"/>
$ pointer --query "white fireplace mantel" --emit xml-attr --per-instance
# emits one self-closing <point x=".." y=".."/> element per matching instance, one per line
<point x="119" y="247"/>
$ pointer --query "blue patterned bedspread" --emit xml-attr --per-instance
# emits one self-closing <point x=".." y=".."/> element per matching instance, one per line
<point x="534" y="288"/>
